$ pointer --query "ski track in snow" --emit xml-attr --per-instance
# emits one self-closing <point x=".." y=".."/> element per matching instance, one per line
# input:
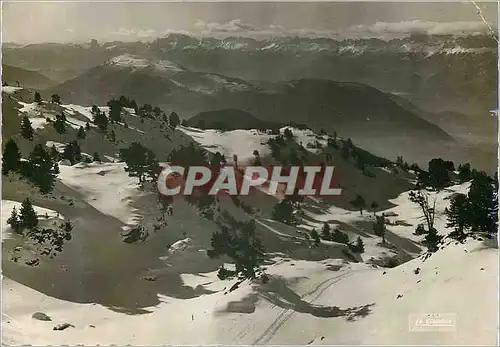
<point x="287" y="313"/>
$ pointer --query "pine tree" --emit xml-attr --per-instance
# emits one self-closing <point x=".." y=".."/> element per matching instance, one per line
<point x="81" y="133"/>
<point x="315" y="237"/>
<point x="439" y="173"/>
<point x="42" y="169"/>
<point x="157" y="112"/>
<point x="483" y="200"/>
<point x="379" y="227"/>
<point x="188" y="155"/>
<point x="359" y="247"/>
<point x="11" y="159"/>
<point x="339" y="236"/>
<point x="28" y="218"/>
<point x="399" y="161"/>
<point x="96" y="157"/>
<point x="283" y="211"/>
<point x="174" y="120"/>
<point x="100" y="119"/>
<point x="26" y="129"/>
<point x="124" y="101"/>
<point x="374" y="206"/>
<point x="87" y="126"/>
<point x="38" y="98"/>
<point x="432" y="240"/>
<point x="55" y="99"/>
<point x="359" y="203"/>
<point x="67" y="227"/>
<point x="14" y="222"/>
<point x="457" y="216"/>
<point x="288" y="134"/>
<point x="112" y="136"/>
<point x="55" y="169"/>
<point x="115" y="110"/>
<point x="139" y="160"/>
<point x="60" y="124"/>
<point x="72" y="152"/>
<point x="239" y="242"/>
<point x="54" y="153"/>
<point x="464" y="172"/>
<point x="257" y="157"/>
<point x="325" y="232"/>
<point x="420" y="230"/>
<point x="217" y="160"/>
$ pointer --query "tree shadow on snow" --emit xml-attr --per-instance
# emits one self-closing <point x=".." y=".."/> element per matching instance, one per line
<point x="277" y="292"/>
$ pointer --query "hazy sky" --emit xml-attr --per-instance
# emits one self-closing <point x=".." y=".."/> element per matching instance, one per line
<point x="30" y="22"/>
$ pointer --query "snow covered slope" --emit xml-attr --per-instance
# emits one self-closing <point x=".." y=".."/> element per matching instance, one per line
<point x="110" y="195"/>
<point x="136" y="62"/>
<point x="239" y="142"/>
<point x="304" y="303"/>
<point x="244" y="142"/>
<point x="10" y="89"/>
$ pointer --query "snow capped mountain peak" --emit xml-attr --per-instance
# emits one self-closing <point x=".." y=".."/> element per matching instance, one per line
<point x="137" y="62"/>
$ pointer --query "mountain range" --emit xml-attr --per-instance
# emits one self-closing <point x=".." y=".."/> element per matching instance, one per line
<point x="384" y="94"/>
<point x="437" y="72"/>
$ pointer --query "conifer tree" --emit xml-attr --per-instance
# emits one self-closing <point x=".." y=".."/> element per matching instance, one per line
<point x="72" y="152"/>
<point x="81" y="133"/>
<point x="14" y="222"/>
<point x="26" y="129"/>
<point x="140" y="161"/>
<point x="28" y="218"/>
<point x="359" y="203"/>
<point x="432" y="240"/>
<point x="457" y="216"/>
<point x="100" y="119"/>
<point x="112" y="136"/>
<point x="325" y="232"/>
<point x="174" y="120"/>
<point x="11" y="158"/>
<point x="238" y="241"/>
<point x="283" y="211"/>
<point x="360" y="247"/>
<point x="60" y="124"/>
<point x="115" y="110"/>
<point x="54" y="153"/>
<point x="315" y="237"/>
<point x="483" y="203"/>
<point x="379" y="227"/>
<point x="42" y="169"/>
<point x="55" y="99"/>
<point x="464" y="172"/>
<point x="38" y="98"/>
